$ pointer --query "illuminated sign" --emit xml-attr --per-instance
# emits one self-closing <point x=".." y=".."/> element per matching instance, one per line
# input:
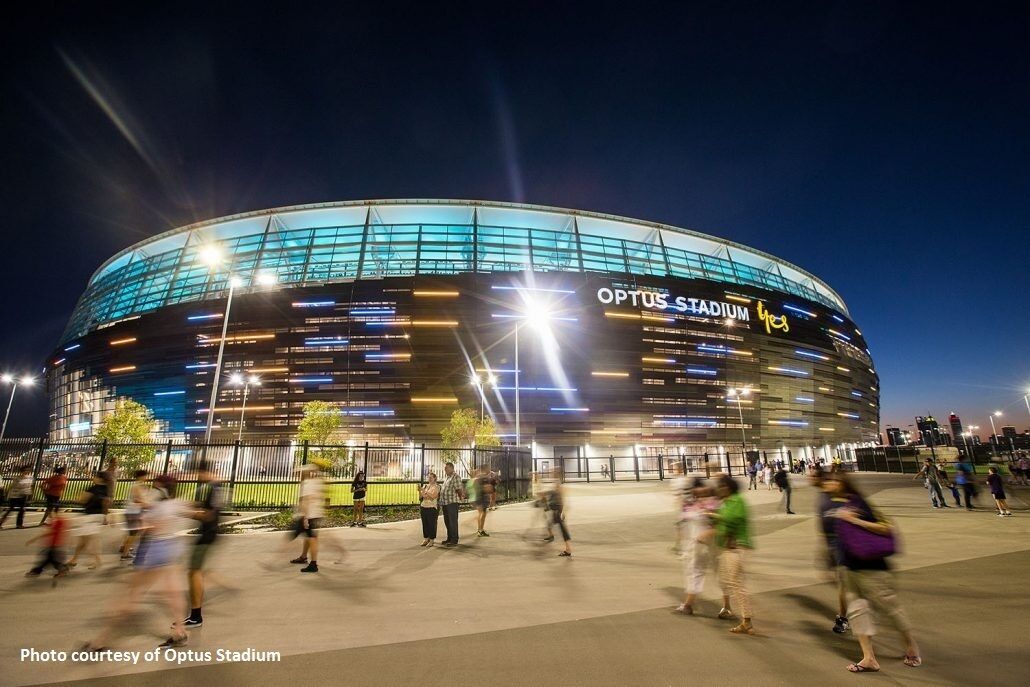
<point x="772" y="321"/>
<point x="660" y="301"/>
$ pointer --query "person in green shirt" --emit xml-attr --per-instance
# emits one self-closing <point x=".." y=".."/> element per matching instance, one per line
<point x="733" y="537"/>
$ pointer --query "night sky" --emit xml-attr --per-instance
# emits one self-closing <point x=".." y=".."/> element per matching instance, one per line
<point x="883" y="148"/>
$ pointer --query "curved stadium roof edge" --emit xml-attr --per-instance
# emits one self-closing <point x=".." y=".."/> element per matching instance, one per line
<point x="732" y="262"/>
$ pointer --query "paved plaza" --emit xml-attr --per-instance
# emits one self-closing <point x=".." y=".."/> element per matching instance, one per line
<point x="506" y="611"/>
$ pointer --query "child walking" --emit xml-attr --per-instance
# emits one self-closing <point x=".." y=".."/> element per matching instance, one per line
<point x="994" y="483"/>
<point x="53" y="546"/>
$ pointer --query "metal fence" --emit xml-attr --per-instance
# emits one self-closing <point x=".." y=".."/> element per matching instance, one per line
<point x="262" y="475"/>
<point x="908" y="460"/>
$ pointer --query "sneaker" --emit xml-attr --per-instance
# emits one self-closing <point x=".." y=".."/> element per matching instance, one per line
<point x="841" y="625"/>
<point x="565" y="554"/>
<point x="790" y="512"/>
<point x="353" y="524"/>
<point x="310" y="567"/>
<point x="192" y="622"/>
<point x="362" y="524"/>
<point x="1001" y="515"/>
<point x="482" y="533"/>
<point x="300" y="560"/>
<point x="173" y="642"/>
<point x="33" y="573"/>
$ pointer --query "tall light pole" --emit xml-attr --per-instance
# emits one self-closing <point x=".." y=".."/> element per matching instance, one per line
<point x="14" y="382"/>
<point x="478" y="383"/>
<point x="1026" y="400"/>
<point x="236" y="380"/>
<point x="737" y="394"/>
<point x="994" y="439"/>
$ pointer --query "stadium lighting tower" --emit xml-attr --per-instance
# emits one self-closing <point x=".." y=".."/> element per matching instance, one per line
<point x="14" y="382"/>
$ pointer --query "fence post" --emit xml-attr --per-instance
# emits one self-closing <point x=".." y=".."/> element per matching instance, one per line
<point x="661" y="466"/>
<point x="636" y="463"/>
<point x="611" y="467"/>
<point x="304" y="453"/>
<point x="708" y="469"/>
<point x="422" y="464"/>
<point x="35" y="469"/>
<point x="168" y="456"/>
<point x="364" y="462"/>
<point x="103" y="456"/>
<point x="232" y="471"/>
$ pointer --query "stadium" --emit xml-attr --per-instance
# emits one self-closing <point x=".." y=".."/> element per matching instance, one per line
<point x="579" y="333"/>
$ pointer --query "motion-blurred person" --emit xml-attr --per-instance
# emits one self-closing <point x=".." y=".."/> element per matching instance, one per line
<point x="493" y="482"/>
<point x="864" y="542"/>
<point x="54" y="538"/>
<point x="429" y="509"/>
<point x="358" y="488"/>
<point x="997" y="491"/>
<point x="695" y="542"/>
<point x="452" y="493"/>
<point x="91" y="522"/>
<point x="158" y="561"/>
<point x="110" y="476"/>
<point x="733" y="537"/>
<point x="310" y="511"/>
<point x="482" y="499"/>
<point x="964" y="479"/>
<point x="830" y="555"/>
<point x="53" y="489"/>
<point x="18" y="496"/>
<point x="767" y="475"/>
<point x="207" y="511"/>
<point x="752" y="475"/>
<point x="554" y="497"/>
<point x="946" y="481"/>
<point x="138" y="497"/>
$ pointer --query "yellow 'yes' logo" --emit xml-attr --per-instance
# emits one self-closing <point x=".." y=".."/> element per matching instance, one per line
<point x="772" y="321"/>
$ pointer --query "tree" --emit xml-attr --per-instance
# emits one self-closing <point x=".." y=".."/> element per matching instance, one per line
<point x="128" y="431"/>
<point x="320" y="427"/>
<point x="466" y="430"/>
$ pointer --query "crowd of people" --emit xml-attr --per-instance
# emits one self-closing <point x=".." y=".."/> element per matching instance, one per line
<point x="714" y="535"/>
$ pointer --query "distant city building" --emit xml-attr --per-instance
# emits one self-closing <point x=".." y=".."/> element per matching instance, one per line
<point x="1008" y="432"/>
<point x="895" y="437"/>
<point x="930" y="432"/>
<point x="956" y="425"/>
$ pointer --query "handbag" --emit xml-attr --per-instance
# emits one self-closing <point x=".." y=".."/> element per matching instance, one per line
<point x="861" y="544"/>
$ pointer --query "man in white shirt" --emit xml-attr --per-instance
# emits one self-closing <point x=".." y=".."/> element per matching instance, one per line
<point x="310" y="511"/>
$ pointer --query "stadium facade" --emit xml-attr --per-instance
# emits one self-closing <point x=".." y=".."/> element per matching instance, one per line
<point x="629" y="335"/>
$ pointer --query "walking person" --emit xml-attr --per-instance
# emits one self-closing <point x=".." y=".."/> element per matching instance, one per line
<point x="18" y="496"/>
<point x="964" y="478"/>
<point x="158" y="562"/>
<point x="53" y="489"/>
<point x="554" y="511"/>
<point x="492" y="483"/>
<point x="482" y="499"/>
<point x="994" y="483"/>
<point x="110" y="476"/>
<point x="767" y="475"/>
<point x="865" y="540"/>
<point x="452" y="493"/>
<point x="947" y="482"/>
<point x="695" y="542"/>
<point x="357" y="488"/>
<point x="733" y="538"/>
<point x="53" y="547"/>
<point x="207" y="511"/>
<point x="830" y="556"/>
<point x="752" y="475"/>
<point x="139" y="496"/>
<point x="782" y="480"/>
<point x="91" y="522"/>
<point x="429" y="509"/>
<point x="309" y="514"/>
<point x="932" y="481"/>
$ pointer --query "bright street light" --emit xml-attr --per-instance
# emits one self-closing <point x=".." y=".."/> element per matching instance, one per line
<point x="994" y="439"/>
<point x="14" y="382"/>
<point x="237" y="379"/>
<point x="738" y="394"/>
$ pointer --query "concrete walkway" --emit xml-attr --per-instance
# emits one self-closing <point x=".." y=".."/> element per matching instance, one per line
<point x="506" y="611"/>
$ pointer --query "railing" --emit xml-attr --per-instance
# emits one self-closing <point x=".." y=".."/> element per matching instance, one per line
<point x="261" y="475"/>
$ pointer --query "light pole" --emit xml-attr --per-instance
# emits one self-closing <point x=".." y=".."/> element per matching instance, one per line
<point x="737" y="394"/>
<point x="237" y="379"/>
<point x="1026" y="400"/>
<point x="994" y="438"/>
<point x="14" y="381"/>
<point x="478" y="383"/>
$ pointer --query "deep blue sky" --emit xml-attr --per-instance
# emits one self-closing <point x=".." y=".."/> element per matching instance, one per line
<point x="883" y="147"/>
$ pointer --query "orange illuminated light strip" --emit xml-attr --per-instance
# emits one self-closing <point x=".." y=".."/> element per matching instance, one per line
<point x="123" y="368"/>
<point x="843" y="369"/>
<point x="827" y="429"/>
<point x="433" y="399"/>
<point x="435" y="323"/>
<point x="267" y="369"/>
<point x="119" y="342"/>
<point x="739" y="299"/>
<point x="615" y="431"/>
<point x="610" y="374"/>
<point x="240" y="337"/>
<point x="667" y="361"/>
<point x="436" y="294"/>
<point x="623" y="315"/>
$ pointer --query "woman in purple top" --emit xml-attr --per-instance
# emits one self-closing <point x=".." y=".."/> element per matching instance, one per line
<point x="998" y="492"/>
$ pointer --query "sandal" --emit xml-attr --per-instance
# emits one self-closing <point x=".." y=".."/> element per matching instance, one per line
<point x="859" y="668"/>
<point x="743" y="629"/>
<point x="912" y="661"/>
<point x="725" y="614"/>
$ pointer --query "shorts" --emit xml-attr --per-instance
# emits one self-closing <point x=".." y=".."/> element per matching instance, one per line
<point x="90" y="524"/>
<point x="359" y="496"/>
<point x="133" y="522"/>
<point x="482" y="501"/>
<point x="998" y="495"/>
<point x="156" y="553"/>
<point x="52" y="502"/>
<point x="311" y="531"/>
<point x="198" y="554"/>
